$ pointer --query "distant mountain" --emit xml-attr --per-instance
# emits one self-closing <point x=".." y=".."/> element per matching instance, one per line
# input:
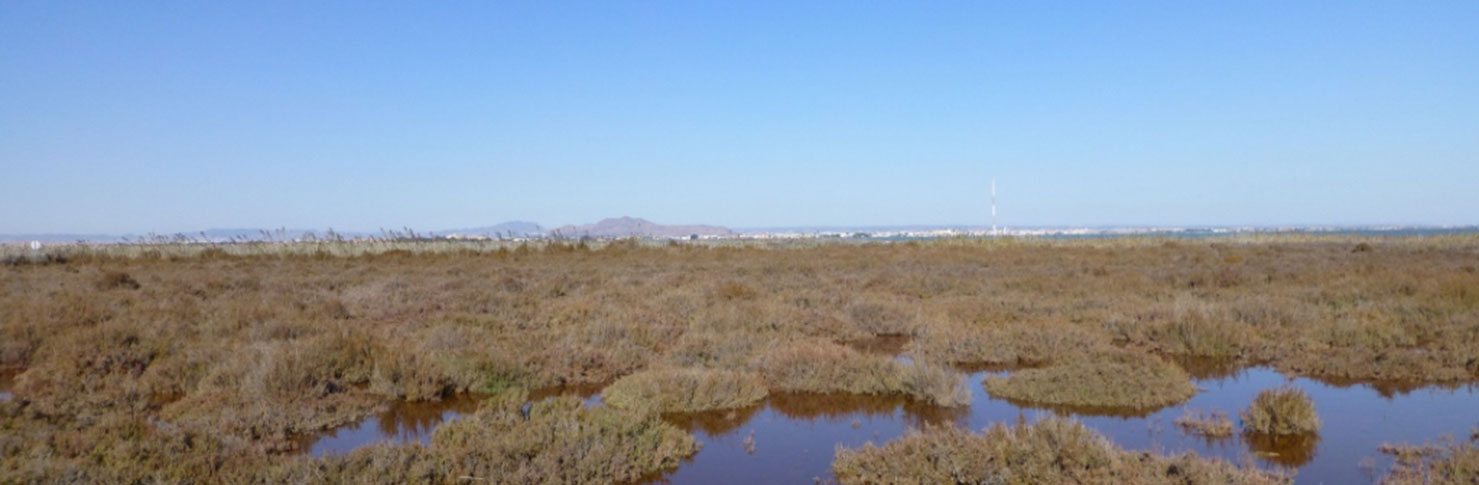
<point x="635" y="227"/>
<point x="246" y="234"/>
<point x="55" y="238"/>
<point x="510" y="228"/>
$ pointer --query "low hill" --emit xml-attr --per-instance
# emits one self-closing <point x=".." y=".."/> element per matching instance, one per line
<point x="510" y="228"/>
<point x="636" y="227"/>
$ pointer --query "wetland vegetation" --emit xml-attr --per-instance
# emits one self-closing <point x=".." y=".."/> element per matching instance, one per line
<point x="204" y="364"/>
<point x="1054" y="450"/>
<point x="1281" y="411"/>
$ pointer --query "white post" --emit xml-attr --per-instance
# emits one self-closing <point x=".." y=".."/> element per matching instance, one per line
<point x="994" y="233"/>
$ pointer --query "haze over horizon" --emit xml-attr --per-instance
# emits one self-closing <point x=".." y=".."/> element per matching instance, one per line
<point x="170" y="117"/>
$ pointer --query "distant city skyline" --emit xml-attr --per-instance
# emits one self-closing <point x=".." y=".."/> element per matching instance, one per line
<point x="134" y="118"/>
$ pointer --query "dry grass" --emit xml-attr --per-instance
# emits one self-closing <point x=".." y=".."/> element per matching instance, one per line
<point x="685" y="390"/>
<point x="1453" y="462"/>
<point x="1282" y="411"/>
<point x="1210" y="424"/>
<point x="819" y="366"/>
<point x="1006" y="344"/>
<point x="1112" y="380"/>
<point x="1050" y="451"/>
<point x="556" y="440"/>
<point x="212" y="359"/>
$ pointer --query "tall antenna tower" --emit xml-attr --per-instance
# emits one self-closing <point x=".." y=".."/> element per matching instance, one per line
<point x="994" y="233"/>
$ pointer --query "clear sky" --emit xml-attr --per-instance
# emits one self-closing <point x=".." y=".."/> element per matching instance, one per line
<point x="177" y="116"/>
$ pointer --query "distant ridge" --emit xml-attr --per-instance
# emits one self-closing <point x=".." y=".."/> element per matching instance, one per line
<point x="636" y="227"/>
<point x="56" y="238"/>
<point x="510" y="228"/>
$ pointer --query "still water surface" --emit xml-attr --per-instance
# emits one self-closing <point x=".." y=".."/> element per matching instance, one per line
<point x="795" y="436"/>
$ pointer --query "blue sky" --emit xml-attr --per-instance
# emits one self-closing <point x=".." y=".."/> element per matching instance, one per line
<point x="177" y="116"/>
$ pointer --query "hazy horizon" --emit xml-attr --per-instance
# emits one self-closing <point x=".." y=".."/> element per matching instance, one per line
<point x="178" y="117"/>
<point x="252" y="232"/>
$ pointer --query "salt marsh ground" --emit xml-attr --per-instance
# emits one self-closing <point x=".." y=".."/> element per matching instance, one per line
<point x="206" y="364"/>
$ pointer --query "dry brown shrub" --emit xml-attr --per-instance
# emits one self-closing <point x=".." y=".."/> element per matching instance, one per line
<point x="1200" y="330"/>
<point x="1448" y="462"/>
<point x="410" y="375"/>
<point x="1012" y="344"/>
<point x="556" y="441"/>
<point x="881" y="317"/>
<point x="820" y="366"/>
<point x="1210" y="424"/>
<point x="685" y="390"/>
<point x="1050" y="451"/>
<point x="1116" y="379"/>
<point x="1282" y="411"/>
<point x="716" y="350"/>
<point x="117" y="280"/>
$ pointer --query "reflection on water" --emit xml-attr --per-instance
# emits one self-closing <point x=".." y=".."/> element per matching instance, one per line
<point x="589" y="393"/>
<point x="1208" y="368"/>
<point x="403" y="422"/>
<point x="1072" y="410"/>
<point x="795" y="435"/>
<point x="715" y="422"/>
<point x="1391" y="389"/>
<point x="1291" y="451"/>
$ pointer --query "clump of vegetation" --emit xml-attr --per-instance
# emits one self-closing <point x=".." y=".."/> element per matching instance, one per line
<point x="1054" y="450"/>
<point x="557" y="440"/>
<point x="685" y="390"/>
<point x="1210" y="424"/>
<point x="821" y="366"/>
<point x="1282" y="411"/>
<point x="1109" y="380"/>
<point x="117" y="279"/>
<point x="1012" y="344"/>
<point x="1196" y="329"/>
<point x="1454" y="462"/>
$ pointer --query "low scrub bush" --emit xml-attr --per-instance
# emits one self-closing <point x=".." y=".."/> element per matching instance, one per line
<point x="685" y="390"/>
<point x="1451" y="463"/>
<point x="117" y="280"/>
<point x="1013" y="344"/>
<point x="1281" y="411"/>
<point x="1209" y="424"/>
<point x="1197" y="329"/>
<point x="1109" y="380"/>
<point x="556" y="441"/>
<point x="821" y="366"/>
<point x="1055" y="450"/>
